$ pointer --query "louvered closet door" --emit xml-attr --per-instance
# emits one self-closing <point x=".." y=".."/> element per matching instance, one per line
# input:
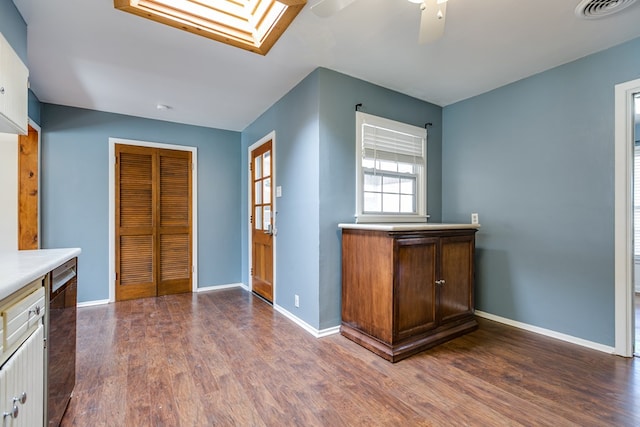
<point x="174" y="233"/>
<point x="153" y="222"/>
<point x="135" y="227"/>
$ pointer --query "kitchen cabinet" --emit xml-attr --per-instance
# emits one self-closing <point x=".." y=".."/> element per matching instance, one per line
<point x="403" y="290"/>
<point x="22" y="358"/>
<point x="24" y="319"/>
<point x="14" y="77"/>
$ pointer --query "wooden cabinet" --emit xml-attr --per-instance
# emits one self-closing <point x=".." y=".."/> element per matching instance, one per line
<point x="14" y="95"/>
<point x="403" y="292"/>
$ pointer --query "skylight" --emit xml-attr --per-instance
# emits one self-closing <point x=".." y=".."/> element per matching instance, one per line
<point x="254" y="25"/>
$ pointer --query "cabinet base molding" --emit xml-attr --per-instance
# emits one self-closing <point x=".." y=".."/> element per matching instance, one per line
<point x="402" y="350"/>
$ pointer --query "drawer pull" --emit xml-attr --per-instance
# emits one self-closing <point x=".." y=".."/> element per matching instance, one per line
<point x="35" y="310"/>
<point x="440" y="282"/>
<point x="13" y="414"/>
<point x="15" y="411"/>
<point x="22" y="399"/>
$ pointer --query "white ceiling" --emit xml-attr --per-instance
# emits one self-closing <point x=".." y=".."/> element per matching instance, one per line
<point x="84" y="53"/>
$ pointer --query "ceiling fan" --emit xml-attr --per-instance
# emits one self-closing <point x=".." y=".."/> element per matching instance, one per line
<point x="431" y="22"/>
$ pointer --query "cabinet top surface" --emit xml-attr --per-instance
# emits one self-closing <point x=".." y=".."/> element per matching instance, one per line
<point x="408" y="226"/>
<point x="19" y="268"/>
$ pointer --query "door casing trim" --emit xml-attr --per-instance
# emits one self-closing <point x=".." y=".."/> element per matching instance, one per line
<point x="37" y="128"/>
<point x="623" y="216"/>
<point x="270" y="136"/>
<point x="112" y="207"/>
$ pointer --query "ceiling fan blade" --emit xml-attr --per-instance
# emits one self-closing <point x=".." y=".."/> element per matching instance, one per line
<point x="432" y="20"/>
<point x="326" y="8"/>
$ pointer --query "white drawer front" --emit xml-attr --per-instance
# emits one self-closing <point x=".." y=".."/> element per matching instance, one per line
<point x="22" y="317"/>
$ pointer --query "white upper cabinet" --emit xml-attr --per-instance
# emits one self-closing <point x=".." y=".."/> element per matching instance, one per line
<point x="14" y="77"/>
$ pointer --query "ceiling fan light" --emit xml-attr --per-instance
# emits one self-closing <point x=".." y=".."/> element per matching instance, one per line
<point x="416" y="1"/>
<point x="442" y="1"/>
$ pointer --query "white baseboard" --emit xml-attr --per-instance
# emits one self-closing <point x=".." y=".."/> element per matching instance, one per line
<point x="218" y="287"/>
<point x="547" y="332"/>
<point x="318" y="333"/>
<point x="208" y="288"/>
<point x="92" y="303"/>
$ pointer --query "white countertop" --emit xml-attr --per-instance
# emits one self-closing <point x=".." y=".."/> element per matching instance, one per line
<point x="19" y="268"/>
<point x="408" y="226"/>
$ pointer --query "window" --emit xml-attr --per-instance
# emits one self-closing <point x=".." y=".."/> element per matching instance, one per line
<point x="391" y="170"/>
<point x="254" y="25"/>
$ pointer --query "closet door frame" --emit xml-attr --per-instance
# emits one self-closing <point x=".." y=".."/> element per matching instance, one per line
<point x="112" y="198"/>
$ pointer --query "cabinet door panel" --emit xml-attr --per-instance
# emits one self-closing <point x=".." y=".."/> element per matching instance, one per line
<point x="456" y="293"/>
<point x="24" y="373"/>
<point x="367" y="293"/>
<point x="415" y="291"/>
<point x="13" y="98"/>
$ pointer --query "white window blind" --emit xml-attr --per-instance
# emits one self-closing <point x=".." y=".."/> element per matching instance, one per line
<point x="390" y="170"/>
<point x="392" y="145"/>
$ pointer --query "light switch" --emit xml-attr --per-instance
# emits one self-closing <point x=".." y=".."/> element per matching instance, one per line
<point x="278" y="191"/>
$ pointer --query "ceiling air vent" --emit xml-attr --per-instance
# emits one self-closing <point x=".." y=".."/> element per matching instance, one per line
<point x="594" y="9"/>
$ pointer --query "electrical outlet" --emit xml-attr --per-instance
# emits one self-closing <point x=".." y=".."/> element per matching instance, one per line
<point x="296" y="300"/>
<point x="474" y="218"/>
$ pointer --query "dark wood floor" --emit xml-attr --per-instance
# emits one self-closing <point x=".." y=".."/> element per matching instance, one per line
<point x="226" y="358"/>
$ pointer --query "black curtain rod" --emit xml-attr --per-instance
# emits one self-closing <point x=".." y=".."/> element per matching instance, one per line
<point x="426" y="125"/>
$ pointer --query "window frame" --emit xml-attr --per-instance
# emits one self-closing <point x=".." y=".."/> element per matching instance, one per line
<point x="421" y="177"/>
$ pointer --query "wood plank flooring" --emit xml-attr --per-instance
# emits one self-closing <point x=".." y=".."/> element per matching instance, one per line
<point x="226" y="358"/>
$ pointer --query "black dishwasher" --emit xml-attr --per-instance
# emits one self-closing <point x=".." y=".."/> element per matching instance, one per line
<point x="61" y="343"/>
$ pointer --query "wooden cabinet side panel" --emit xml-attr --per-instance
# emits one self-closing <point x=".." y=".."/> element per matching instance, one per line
<point x="415" y="289"/>
<point x="456" y="293"/>
<point x="367" y="282"/>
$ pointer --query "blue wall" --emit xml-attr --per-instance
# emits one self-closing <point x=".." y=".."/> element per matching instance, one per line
<point x="75" y="202"/>
<point x="13" y="28"/>
<point x="535" y="160"/>
<point x="315" y="137"/>
<point x="339" y="94"/>
<point x="295" y="119"/>
<point x="35" y="108"/>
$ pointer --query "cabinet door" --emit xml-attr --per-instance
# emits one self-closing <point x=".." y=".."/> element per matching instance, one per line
<point x="456" y="263"/>
<point x="4" y="76"/>
<point x="4" y="405"/>
<point x="414" y="286"/>
<point x="14" y="76"/>
<point x="24" y="373"/>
